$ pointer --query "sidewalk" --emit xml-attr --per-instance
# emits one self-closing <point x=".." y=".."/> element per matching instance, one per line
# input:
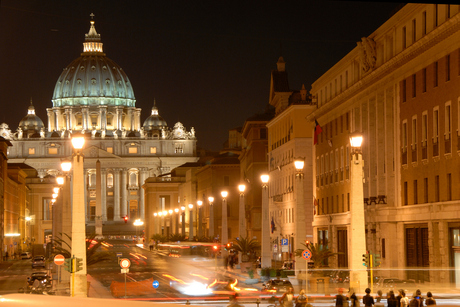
<point x="96" y="289"/>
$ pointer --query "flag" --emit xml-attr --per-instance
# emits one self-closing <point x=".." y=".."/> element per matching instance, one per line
<point x="272" y="224"/>
<point x="318" y="130"/>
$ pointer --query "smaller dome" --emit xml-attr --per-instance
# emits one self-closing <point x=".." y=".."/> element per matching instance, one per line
<point x="154" y="121"/>
<point x="31" y="121"/>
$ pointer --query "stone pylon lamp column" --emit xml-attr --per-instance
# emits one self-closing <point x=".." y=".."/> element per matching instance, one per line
<point x="211" y="216"/>
<point x="242" y="218"/>
<point x="300" y="234"/>
<point x="224" y="238"/>
<point x="176" y="221"/>
<point x="266" y="260"/>
<point x="199" y="227"/>
<point x="190" y="222"/>
<point x="182" y="208"/>
<point x="358" y="273"/>
<point x="78" y="217"/>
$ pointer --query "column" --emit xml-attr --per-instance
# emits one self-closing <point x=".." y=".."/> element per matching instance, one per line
<point x="116" y="194"/>
<point x="85" y="190"/>
<point x="104" y="194"/>
<point x="265" y="248"/>
<point x="98" y="217"/>
<point x="124" y="190"/>
<point x="84" y="118"/>
<point x="57" y="117"/>
<point x="224" y="225"/>
<point x="103" y="115"/>
<point x="68" y="122"/>
<point x="190" y="223"/>
<point x="143" y="174"/>
<point x="51" y="120"/>
<point x="137" y="119"/>
<point x="131" y="119"/>
<point x="358" y="274"/>
<point x="299" y="218"/>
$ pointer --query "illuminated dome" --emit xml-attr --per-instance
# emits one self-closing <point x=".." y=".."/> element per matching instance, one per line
<point x="154" y="121"/>
<point x="31" y="121"/>
<point x="93" y="79"/>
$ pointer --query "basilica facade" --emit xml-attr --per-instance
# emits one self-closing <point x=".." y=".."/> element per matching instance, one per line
<point x="93" y="96"/>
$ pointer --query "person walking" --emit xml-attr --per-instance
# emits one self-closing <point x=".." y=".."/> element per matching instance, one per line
<point x="151" y="243"/>
<point x="288" y="298"/>
<point x="340" y="299"/>
<point x="417" y="300"/>
<point x="429" y="299"/>
<point x="368" y="300"/>
<point x="301" y="300"/>
<point x="391" y="299"/>
<point x="404" y="300"/>
<point x="354" y="301"/>
<point x="399" y="297"/>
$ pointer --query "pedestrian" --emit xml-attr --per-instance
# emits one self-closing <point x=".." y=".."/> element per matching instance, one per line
<point x="340" y="299"/>
<point x="354" y="301"/>
<point x="301" y="300"/>
<point x="399" y="297"/>
<point x="429" y="299"/>
<point x="379" y="298"/>
<point x="391" y="299"/>
<point x="368" y="300"/>
<point x="404" y="300"/>
<point x="417" y="300"/>
<point x="151" y="243"/>
<point x="287" y="299"/>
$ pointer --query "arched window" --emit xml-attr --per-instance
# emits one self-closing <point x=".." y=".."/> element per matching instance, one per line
<point x="109" y="181"/>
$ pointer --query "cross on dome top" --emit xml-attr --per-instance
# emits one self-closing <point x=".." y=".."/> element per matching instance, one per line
<point x="92" y="42"/>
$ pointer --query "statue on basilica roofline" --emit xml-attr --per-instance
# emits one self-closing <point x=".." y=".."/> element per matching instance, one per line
<point x="19" y="133"/>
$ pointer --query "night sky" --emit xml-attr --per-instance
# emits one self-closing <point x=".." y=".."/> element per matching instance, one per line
<point x="207" y="63"/>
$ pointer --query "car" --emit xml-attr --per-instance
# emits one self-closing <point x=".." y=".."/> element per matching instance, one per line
<point x="339" y="276"/>
<point x="277" y="285"/>
<point x="41" y="276"/>
<point x="38" y="261"/>
<point x="26" y="255"/>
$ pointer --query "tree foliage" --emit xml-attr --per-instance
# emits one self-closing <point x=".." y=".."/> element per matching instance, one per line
<point x="246" y="247"/>
<point x="319" y="253"/>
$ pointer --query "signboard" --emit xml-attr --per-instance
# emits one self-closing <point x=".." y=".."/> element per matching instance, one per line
<point x="284" y="248"/>
<point x="155" y="284"/>
<point x="284" y="242"/>
<point x="306" y="254"/>
<point x="125" y="263"/>
<point x="275" y="248"/>
<point x="59" y="259"/>
<point x="125" y="271"/>
<point x="119" y="254"/>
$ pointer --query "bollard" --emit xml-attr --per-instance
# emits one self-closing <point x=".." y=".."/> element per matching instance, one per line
<point x="257" y="302"/>
<point x="187" y="302"/>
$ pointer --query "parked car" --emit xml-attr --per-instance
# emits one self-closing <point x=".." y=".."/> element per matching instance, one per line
<point x="41" y="276"/>
<point x="277" y="285"/>
<point x="386" y="284"/>
<point x="26" y="255"/>
<point x="38" y="261"/>
<point x="340" y="276"/>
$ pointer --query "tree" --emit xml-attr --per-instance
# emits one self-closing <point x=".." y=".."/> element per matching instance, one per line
<point x="246" y="247"/>
<point x="319" y="253"/>
<point x="93" y="254"/>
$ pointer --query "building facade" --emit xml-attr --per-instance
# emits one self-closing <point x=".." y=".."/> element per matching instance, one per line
<point x="94" y="97"/>
<point x="399" y="88"/>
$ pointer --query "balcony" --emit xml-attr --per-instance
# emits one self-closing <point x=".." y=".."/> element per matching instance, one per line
<point x="414" y="153"/>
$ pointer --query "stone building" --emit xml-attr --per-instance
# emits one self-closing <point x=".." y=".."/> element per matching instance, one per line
<point x="399" y="87"/>
<point x="94" y="96"/>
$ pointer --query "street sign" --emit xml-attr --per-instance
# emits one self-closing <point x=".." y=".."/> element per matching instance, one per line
<point x="155" y="284"/>
<point x="306" y="254"/>
<point x="125" y="271"/>
<point x="119" y="254"/>
<point x="125" y="263"/>
<point x="284" y="242"/>
<point x="59" y="259"/>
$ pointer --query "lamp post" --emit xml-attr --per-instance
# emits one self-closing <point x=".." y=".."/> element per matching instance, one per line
<point x="183" y="220"/>
<point x="64" y="224"/>
<point x="138" y="223"/>
<point x="265" y="248"/>
<point x="358" y="274"/>
<point x="211" y="216"/>
<point x="224" y="239"/>
<point x="190" y="222"/>
<point x="200" y="228"/>
<point x="242" y="218"/>
<point x="78" y="245"/>
<point x="155" y="223"/>
<point x="299" y="216"/>
<point x="176" y="221"/>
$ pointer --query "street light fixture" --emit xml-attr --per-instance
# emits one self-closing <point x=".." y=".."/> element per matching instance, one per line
<point x="138" y="223"/>
<point x="199" y="232"/>
<point x="300" y="216"/>
<point x="78" y="218"/>
<point x="211" y="216"/>
<point x="358" y="276"/>
<point x="265" y="246"/>
<point x="224" y="240"/>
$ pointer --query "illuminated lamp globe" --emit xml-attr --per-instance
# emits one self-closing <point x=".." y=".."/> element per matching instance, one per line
<point x="224" y="194"/>
<point x="242" y="187"/>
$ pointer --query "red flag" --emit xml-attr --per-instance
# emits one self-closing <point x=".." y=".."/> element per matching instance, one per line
<point x="318" y="130"/>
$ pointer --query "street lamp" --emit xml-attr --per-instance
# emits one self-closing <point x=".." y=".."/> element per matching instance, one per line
<point x="224" y="240"/>
<point x="299" y="216"/>
<point x="79" y="285"/>
<point x="241" y="218"/>
<point x="358" y="276"/>
<point x="137" y="223"/>
<point x="265" y="247"/>
<point x="190" y="222"/>
<point x="183" y="220"/>
<point x="211" y="216"/>
<point x="199" y="232"/>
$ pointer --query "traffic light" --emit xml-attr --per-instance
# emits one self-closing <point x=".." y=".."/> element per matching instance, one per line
<point x="126" y="219"/>
<point x="307" y="243"/>
<point x="68" y="265"/>
<point x="366" y="258"/>
<point x="376" y="260"/>
<point x="78" y="264"/>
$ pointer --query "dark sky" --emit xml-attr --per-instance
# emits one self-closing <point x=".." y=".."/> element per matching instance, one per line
<point x="207" y="63"/>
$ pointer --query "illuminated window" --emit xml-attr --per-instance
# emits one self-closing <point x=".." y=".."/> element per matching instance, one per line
<point x="153" y="150"/>
<point x="132" y="150"/>
<point x="179" y="148"/>
<point x="52" y="151"/>
<point x="110" y="150"/>
<point x="32" y="151"/>
<point x="110" y="181"/>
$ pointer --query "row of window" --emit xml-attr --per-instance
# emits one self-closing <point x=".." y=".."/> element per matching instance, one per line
<point x="333" y="204"/>
<point x="178" y="148"/>
<point x="333" y="128"/>
<point x="425" y="186"/>
<point x="332" y="161"/>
